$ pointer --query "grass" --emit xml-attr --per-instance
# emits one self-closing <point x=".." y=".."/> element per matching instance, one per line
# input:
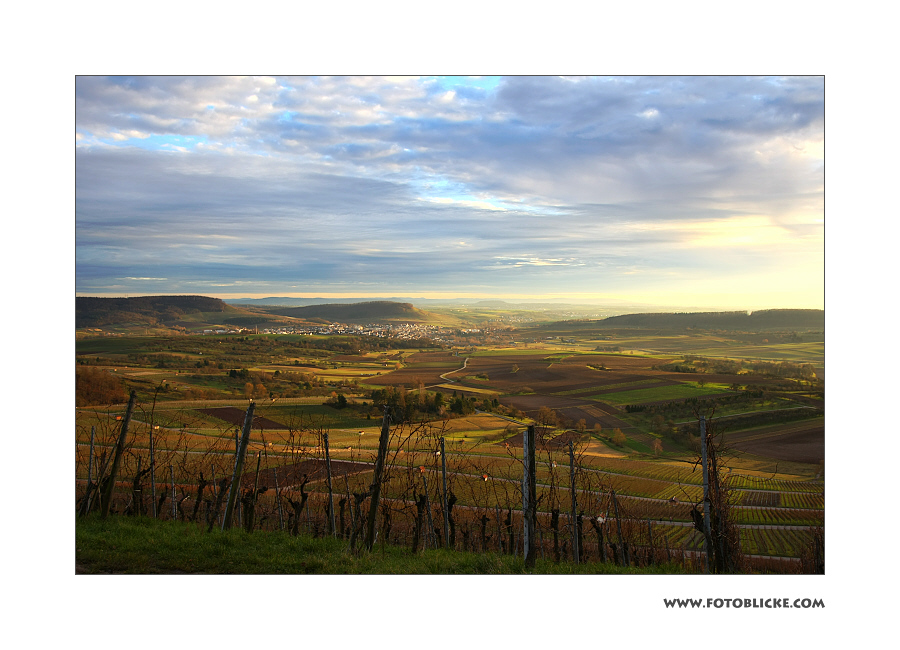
<point x="142" y="545"/>
<point x="796" y="352"/>
<point x="679" y="391"/>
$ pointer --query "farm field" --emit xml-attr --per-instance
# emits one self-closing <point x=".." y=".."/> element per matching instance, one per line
<point x="685" y="390"/>
<point x="478" y="401"/>
<point x="803" y="443"/>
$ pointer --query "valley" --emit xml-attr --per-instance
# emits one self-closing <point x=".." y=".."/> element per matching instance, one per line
<point x="628" y="398"/>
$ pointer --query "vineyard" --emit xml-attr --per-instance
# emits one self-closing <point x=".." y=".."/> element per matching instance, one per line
<point x="436" y="488"/>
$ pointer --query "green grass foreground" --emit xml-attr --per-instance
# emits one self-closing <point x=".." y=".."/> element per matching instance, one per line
<point x="142" y="545"/>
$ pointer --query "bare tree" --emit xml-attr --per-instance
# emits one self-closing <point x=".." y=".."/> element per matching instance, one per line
<point x="717" y="520"/>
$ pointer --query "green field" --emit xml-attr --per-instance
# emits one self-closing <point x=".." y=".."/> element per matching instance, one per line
<point x="801" y="353"/>
<point x="642" y="395"/>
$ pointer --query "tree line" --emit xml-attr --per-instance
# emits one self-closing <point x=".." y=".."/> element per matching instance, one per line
<point x="777" y="369"/>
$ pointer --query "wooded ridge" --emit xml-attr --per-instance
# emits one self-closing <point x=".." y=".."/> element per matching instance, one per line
<point x="97" y="312"/>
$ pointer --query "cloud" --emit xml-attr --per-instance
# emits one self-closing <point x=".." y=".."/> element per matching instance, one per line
<point x="481" y="205"/>
<point x="341" y="180"/>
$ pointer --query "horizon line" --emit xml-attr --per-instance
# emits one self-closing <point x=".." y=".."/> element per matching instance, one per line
<point x="571" y="299"/>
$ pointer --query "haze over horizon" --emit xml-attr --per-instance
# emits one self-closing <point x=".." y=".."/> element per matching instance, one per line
<point x="671" y="191"/>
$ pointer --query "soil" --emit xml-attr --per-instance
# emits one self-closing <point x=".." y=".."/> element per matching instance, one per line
<point x="236" y="416"/>
<point x="290" y="476"/>
<point x="800" y="444"/>
<point x="570" y="407"/>
<point x="409" y="377"/>
<point x="544" y="438"/>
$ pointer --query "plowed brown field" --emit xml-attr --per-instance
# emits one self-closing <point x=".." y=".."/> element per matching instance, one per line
<point x="570" y="407"/>
<point x="236" y="416"/>
<point x="409" y="377"/>
<point x="290" y="475"/>
<point x="799" y="442"/>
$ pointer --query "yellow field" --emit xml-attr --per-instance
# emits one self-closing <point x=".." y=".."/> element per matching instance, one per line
<point x="467" y="389"/>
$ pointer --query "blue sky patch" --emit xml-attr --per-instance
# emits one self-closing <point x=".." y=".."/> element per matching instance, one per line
<point x="163" y="142"/>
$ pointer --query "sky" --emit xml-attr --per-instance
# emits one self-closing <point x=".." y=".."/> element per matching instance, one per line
<point x="682" y="192"/>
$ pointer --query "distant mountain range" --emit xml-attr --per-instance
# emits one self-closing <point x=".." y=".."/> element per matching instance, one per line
<point x="522" y="305"/>
<point x="275" y="301"/>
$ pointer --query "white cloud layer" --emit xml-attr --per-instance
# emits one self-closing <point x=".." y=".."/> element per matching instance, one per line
<point x="615" y="186"/>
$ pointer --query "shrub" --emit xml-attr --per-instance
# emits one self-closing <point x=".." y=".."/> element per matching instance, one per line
<point x="94" y="387"/>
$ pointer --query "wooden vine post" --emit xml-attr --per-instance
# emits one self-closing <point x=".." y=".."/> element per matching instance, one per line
<point x="212" y="469"/>
<point x="88" y="493"/>
<point x="429" y="535"/>
<point x="106" y="496"/>
<point x="278" y="500"/>
<point x="91" y="457"/>
<point x="576" y="552"/>
<point x="331" y="526"/>
<point x="256" y="482"/>
<point x="238" y="466"/>
<point x="529" y="504"/>
<point x="174" y="504"/>
<point x="152" y="457"/>
<point x="444" y="495"/>
<point x="237" y="451"/>
<point x="621" y="546"/>
<point x="707" y="535"/>
<point x="375" y="488"/>
<point x="152" y="470"/>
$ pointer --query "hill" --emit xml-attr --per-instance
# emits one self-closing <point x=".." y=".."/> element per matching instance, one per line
<point x="765" y="320"/>
<point x="179" y="312"/>
<point x="281" y="301"/>
<point x="361" y="312"/>
<point x="141" y="310"/>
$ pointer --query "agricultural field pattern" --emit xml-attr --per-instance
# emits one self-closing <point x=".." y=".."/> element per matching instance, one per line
<point x="620" y="408"/>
